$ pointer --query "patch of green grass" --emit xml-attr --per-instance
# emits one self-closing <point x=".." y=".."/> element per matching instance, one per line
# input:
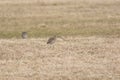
<point x="14" y="27"/>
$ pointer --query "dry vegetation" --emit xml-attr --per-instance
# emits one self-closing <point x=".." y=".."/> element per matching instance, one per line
<point x="78" y="58"/>
<point x="43" y="18"/>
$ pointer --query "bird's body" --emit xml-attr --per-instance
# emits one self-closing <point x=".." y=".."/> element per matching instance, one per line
<point x="24" y="35"/>
<point x="51" y="40"/>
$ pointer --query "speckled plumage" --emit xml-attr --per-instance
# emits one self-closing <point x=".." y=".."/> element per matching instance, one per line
<point x="24" y="35"/>
<point x="51" y="40"/>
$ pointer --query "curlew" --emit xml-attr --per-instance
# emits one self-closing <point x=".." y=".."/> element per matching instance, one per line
<point x="53" y="39"/>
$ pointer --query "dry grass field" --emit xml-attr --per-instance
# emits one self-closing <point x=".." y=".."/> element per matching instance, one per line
<point x="91" y="50"/>
<point x="78" y="58"/>
<point x="43" y="18"/>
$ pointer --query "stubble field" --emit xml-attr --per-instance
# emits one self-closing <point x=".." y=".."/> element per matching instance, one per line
<point x="77" y="58"/>
<point x="91" y="50"/>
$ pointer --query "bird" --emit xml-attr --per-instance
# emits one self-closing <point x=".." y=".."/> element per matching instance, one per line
<point x="24" y="35"/>
<point x="53" y="39"/>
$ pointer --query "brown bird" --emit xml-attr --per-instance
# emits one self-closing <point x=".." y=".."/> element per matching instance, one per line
<point x="52" y="39"/>
<point x="24" y="35"/>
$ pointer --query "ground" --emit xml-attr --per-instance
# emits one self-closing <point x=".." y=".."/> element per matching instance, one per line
<point x="76" y="58"/>
<point x="90" y="51"/>
<point x="62" y="17"/>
